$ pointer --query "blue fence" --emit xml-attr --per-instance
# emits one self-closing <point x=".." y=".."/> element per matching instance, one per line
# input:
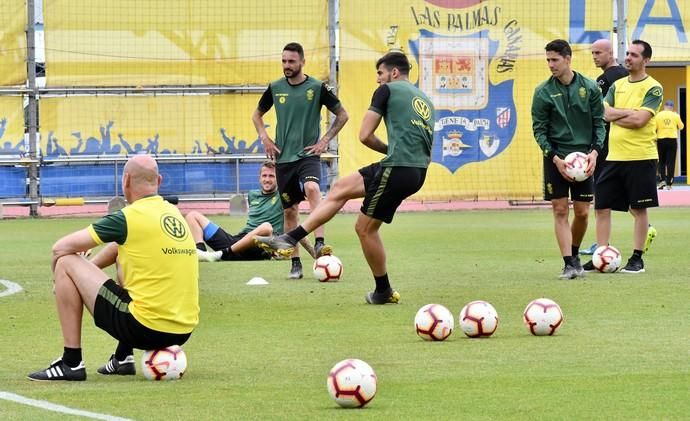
<point x="103" y="179"/>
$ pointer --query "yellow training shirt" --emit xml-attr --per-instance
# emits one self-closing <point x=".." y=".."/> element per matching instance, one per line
<point x="634" y="144"/>
<point x="158" y="257"/>
<point x="667" y="124"/>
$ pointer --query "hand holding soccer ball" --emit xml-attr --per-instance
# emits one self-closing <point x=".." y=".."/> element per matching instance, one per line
<point x="576" y="166"/>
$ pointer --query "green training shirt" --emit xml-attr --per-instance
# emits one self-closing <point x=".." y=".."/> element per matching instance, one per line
<point x="298" y="114"/>
<point x="568" y="118"/>
<point x="409" y="117"/>
<point x="264" y="208"/>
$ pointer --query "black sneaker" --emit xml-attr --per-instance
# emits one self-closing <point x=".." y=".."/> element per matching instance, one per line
<point x="589" y="267"/>
<point x="388" y="296"/>
<point x="296" y="271"/>
<point x="60" y="371"/>
<point x="569" y="272"/>
<point x="322" y="249"/>
<point x="578" y="266"/>
<point x="125" y="367"/>
<point x="280" y="245"/>
<point x="635" y="265"/>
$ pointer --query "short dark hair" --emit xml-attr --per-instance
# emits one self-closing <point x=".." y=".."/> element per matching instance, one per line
<point x="646" y="48"/>
<point x="293" y="46"/>
<point x="268" y="164"/>
<point x="559" y="46"/>
<point x="395" y="60"/>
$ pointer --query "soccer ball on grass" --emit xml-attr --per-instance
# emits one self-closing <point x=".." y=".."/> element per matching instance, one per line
<point x="543" y="317"/>
<point x="327" y="268"/>
<point x="478" y="319"/>
<point x="164" y="364"/>
<point x="352" y="383"/>
<point x="434" y="322"/>
<point x="606" y="259"/>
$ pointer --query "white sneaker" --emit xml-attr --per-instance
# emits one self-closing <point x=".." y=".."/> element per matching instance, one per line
<point x="209" y="256"/>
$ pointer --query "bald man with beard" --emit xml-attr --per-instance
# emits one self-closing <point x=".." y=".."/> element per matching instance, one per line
<point x="157" y="303"/>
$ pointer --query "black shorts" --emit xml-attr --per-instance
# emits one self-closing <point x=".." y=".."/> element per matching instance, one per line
<point x="387" y="187"/>
<point x="111" y="313"/>
<point x="627" y="184"/>
<point x="557" y="187"/>
<point x="221" y="239"/>
<point x="291" y="177"/>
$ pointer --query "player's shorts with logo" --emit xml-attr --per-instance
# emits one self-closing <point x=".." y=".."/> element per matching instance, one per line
<point x="217" y="238"/>
<point x="557" y="187"/>
<point x="627" y="184"/>
<point x="387" y="187"/>
<point x="111" y="313"/>
<point x="291" y="177"/>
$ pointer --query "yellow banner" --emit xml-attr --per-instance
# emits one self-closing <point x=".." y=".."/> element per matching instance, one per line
<point x="12" y="43"/>
<point x="195" y="125"/>
<point x="183" y="42"/>
<point x="11" y="126"/>
<point x="664" y="25"/>
<point x="479" y="61"/>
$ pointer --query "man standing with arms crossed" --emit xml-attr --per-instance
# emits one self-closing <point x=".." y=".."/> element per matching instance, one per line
<point x="567" y="116"/>
<point x="628" y="180"/>
<point x="409" y="117"/>
<point x="602" y="55"/>
<point x="298" y="99"/>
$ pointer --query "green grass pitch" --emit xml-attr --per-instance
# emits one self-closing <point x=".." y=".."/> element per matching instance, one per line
<point x="264" y="352"/>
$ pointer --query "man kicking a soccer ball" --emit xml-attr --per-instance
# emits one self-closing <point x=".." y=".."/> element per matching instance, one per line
<point x="409" y="117"/>
<point x="158" y="304"/>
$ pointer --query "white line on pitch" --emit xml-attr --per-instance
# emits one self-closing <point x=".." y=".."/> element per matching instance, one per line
<point x="12" y="288"/>
<point x="57" y="408"/>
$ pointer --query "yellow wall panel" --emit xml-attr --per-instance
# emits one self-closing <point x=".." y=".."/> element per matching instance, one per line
<point x="182" y="42"/>
<point x="11" y="126"/>
<point x="12" y="42"/>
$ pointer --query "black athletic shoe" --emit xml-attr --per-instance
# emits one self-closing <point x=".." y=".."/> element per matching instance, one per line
<point x="60" y="371"/>
<point x="296" y="271"/>
<point x="125" y="367"/>
<point x="569" y="272"/>
<point x="322" y="249"/>
<point x="280" y="244"/>
<point x="589" y="267"/>
<point x="389" y="296"/>
<point x="635" y="265"/>
<point x="578" y="266"/>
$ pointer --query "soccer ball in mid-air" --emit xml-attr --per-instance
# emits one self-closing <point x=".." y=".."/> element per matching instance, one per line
<point x="328" y="268"/>
<point x="478" y="319"/>
<point x="434" y="322"/>
<point x="576" y="165"/>
<point x="352" y="383"/>
<point x="543" y="317"/>
<point x="606" y="259"/>
<point x="164" y="364"/>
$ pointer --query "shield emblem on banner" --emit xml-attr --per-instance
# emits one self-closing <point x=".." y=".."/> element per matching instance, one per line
<point x="475" y="118"/>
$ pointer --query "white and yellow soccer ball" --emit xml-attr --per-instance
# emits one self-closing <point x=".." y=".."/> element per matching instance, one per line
<point x="606" y="259"/>
<point x="542" y="317"/>
<point x="576" y="165"/>
<point x="328" y="268"/>
<point x="434" y="322"/>
<point x="164" y="364"/>
<point x="478" y="319"/>
<point x="352" y="383"/>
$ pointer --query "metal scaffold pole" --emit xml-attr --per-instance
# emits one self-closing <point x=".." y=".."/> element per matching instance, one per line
<point x="31" y="106"/>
